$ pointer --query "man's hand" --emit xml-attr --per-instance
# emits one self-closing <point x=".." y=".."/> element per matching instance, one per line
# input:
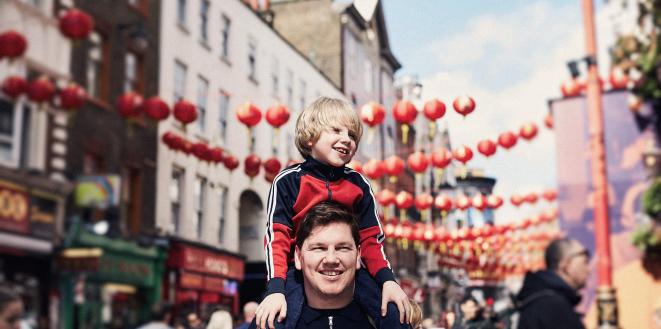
<point x="269" y="308"/>
<point x="392" y="292"/>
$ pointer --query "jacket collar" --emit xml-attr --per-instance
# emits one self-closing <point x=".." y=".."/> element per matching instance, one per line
<point x="351" y="311"/>
<point x="321" y="170"/>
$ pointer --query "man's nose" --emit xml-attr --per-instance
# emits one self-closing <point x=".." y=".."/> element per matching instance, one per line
<point x="331" y="256"/>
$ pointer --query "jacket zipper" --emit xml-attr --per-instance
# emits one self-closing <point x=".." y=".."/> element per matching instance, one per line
<point x="329" y="190"/>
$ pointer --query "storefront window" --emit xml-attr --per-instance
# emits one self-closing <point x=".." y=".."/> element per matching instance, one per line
<point x="176" y="187"/>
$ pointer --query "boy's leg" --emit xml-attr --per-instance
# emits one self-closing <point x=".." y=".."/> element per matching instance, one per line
<point x="368" y="295"/>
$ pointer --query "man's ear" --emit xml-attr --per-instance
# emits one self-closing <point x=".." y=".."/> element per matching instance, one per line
<point x="358" y="259"/>
<point x="297" y="258"/>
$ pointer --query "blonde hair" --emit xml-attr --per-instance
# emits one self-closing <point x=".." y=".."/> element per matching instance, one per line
<point x="416" y="315"/>
<point x="322" y="114"/>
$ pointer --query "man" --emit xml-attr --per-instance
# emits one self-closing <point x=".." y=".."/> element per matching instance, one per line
<point x="327" y="257"/>
<point x="547" y="298"/>
<point x="11" y="309"/>
<point x="473" y="317"/>
<point x="194" y="321"/>
<point x="249" y="310"/>
<point x="161" y="314"/>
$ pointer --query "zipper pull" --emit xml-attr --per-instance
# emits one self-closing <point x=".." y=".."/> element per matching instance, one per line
<point x="330" y="197"/>
<point x="330" y="322"/>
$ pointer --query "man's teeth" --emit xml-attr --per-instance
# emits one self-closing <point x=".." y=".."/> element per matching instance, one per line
<point x="331" y="273"/>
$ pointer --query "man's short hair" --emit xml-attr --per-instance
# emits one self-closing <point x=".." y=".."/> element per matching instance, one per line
<point x="7" y="296"/>
<point x="556" y="251"/>
<point x="323" y="214"/>
<point x="322" y="114"/>
<point x="468" y="298"/>
<point x="160" y="310"/>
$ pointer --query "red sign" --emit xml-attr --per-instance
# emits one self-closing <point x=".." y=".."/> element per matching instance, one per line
<point x="14" y="208"/>
<point x="189" y="280"/>
<point x="213" y="284"/>
<point x="206" y="261"/>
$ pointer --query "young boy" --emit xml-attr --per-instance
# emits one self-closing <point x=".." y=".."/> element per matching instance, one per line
<point x="327" y="135"/>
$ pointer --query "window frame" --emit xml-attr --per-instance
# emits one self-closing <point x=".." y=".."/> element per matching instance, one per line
<point x="15" y="139"/>
<point x="179" y="64"/>
<point x="202" y="99"/>
<point x="225" y="37"/>
<point x="205" y="6"/>
<point x="175" y="222"/>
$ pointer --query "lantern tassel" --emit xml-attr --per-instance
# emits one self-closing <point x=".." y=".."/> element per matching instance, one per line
<point x="276" y="138"/>
<point x="405" y="133"/>
<point x="393" y="179"/>
<point x="432" y="130"/>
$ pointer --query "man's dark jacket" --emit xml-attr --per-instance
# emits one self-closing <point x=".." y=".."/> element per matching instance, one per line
<point x="547" y="302"/>
<point x="369" y="302"/>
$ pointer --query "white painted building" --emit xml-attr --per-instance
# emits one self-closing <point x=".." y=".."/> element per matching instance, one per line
<point x="219" y="55"/>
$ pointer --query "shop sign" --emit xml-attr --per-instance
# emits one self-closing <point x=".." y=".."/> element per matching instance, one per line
<point x="190" y="280"/>
<point x="208" y="262"/>
<point x="43" y="211"/>
<point x="78" y="264"/>
<point x="213" y="284"/>
<point x="14" y="206"/>
<point x="132" y="270"/>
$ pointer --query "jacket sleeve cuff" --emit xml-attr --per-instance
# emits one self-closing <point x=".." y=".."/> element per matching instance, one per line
<point x="383" y="275"/>
<point x="275" y="285"/>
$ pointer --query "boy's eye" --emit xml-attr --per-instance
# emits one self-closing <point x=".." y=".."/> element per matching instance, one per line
<point x="336" y="130"/>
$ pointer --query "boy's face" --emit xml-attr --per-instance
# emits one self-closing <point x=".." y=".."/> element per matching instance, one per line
<point x="335" y="146"/>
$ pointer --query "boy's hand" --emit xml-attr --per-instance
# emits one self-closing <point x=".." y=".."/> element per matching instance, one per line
<point x="269" y="308"/>
<point x="392" y="292"/>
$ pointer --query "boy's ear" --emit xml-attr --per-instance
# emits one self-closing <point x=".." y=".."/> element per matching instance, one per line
<point x="358" y="259"/>
<point x="297" y="258"/>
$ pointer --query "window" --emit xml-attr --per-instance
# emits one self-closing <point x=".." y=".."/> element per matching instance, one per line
<point x="302" y="95"/>
<point x="97" y="66"/>
<point x="252" y="60"/>
<point x="222" y="213"/>
<point x="176" y="192"/>
<point x="290" y="89"/>
<point x="222" y="116"/>
<point x="10" y="118"/>
<point x="179" y="80"/>
<point x="369" y="76"/>
<point x="133" y="72"/>
<point x="202" y="95"/>
<point x="225" y="37"/>
<point x="204" y="21"/>
<point x="181" y="12"/>
<point x="274" y="77"/>
<point x="199" y="191"/>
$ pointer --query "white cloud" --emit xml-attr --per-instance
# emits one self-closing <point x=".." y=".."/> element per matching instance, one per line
<point x="539" y="39"/>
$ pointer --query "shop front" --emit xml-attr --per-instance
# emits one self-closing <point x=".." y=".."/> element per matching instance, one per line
<point x="200" y="278"/>
<point x="107" y="283"/>
<point x="30" y="210"/>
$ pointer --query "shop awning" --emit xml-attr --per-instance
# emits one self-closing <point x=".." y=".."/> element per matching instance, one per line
<point x="25" y="243"/>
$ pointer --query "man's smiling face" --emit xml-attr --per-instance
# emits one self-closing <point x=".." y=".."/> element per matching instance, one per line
<point x="329" y="259"/>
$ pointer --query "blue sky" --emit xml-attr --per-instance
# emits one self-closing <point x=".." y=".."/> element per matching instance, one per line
<point x="510" y="56"/>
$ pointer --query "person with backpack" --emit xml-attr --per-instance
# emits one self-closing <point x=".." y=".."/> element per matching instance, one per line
<point x="547" y="298"/>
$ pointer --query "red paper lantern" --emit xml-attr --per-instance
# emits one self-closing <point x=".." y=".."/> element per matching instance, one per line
<point x="372" y="114"/>
<point x="12" y="44"/>
<point x="374" y="169"/>
<point x="618" y="79"/>
<point x="385" y="197"/>
<point x="528" y="131"/>
<point x="41" y="90"/>
<point x="462" y="202"/>
<point x="184" y="111"/>
<point x="464" y="105"/>
<point x="516" y="200"/>
<point x="129" y="104"/>
<point x="404" y="112"/>
<point x="418" y="162"/>
<point x="404" y="200"/>
<point x="14" y="86"/>
<point x="76" y="24"/>
<point x="216" y="155"/>
<point x="507" y="140"/>
<point x="550" y="195"/>
<point x="169" y="139"/>
<point x="423" y="201"/>
<point x="494" y="201"/>
<point x="570" y="88"/>
<point x="463" y="154"/>
<point x="443" y="202"/>
<point x="230" y="162"/>
<point x="156" y="108"/>
<point x="548" y="121"/>
<point x="434" y="109"/>
<point x="251" y="165"/>
<point x="186" y="146"/>
<point x="394" y="165"/>
<point x="72" y="97"/>
<point x="272" y="166"/>
<point x="201" y="151"/>
<point x="355" y="165"/>
<point x="441" y="158"/>
<point x="486" y="147"/>
<point x="479" y="202"/>
<point x="277" y="115"/>
<point x="530" y="198"/>
<point x="249" y="114"/>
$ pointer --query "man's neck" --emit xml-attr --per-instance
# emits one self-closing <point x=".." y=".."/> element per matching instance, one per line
<point x="325" y="303"/>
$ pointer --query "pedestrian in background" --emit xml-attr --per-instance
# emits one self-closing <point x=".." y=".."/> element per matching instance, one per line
<point x="472" y="316"/>
<point x="249" y="310"/>
<point x="161" y="315"/>
<point x="547" y="298"/>
<point x="11" y="309"/>
<point x="220" y="319"/>
<point x="194" y="321"/>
